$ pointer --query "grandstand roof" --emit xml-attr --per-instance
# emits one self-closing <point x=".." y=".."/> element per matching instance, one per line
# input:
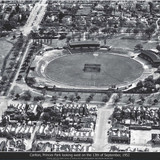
<point x="152" y="55"/>
<point x="84" y="44"/>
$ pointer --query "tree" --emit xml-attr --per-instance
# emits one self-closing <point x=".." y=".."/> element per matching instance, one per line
<point x="59" y="93"/>
<point x="153" y="26"/>
<point x="65" y="97"/>
<point x="140" y="84"/>
<point x="17" y="8"/>
<point x="105" y="99"/>
<point x="5" y="120"/>
<point x="120" y="94"/>
<point x="149" y="101"/>
<point x="17" y="96"/>
<point x="141" y="26"/>
<point x="14" y="37"/>
<point x="135" y="31"/>
<point x="71" y="98"/>
<point x="4" y="78"/>
<point x="149" y="78"/>
<point x="114" y="30"/>
<point x="108" y="93"/>
<point x="44" y="91"/>
<point x="155" y="101"/>
<point x="8" y="26"/>
<point x="12" y="92"/>
<point x="108" y="9"/>
<point x="26" y="96"/>
<point x="105" y="40"/>
<point x="105" y="30"/>
<point x="149" y="31"/>
<point x="158" y="47"/>
<point x="21" y="35"/>
<point x="76" y="93"/>
<point x="142" y="98"/>
<point x="54" y="98"/>
<point x="39" y="98"/>
<point x="149" y="85"/>
<point x="110" y="22"/>
<point x="158" y="79"/>
<point x="31" y="80"/>
<point x="39" y="109"/>
<point x="116" y="99"/>
<point x="122" y="21"/>
<point x="131" y="99"/>
<point x="138" y="47"/>
<point x="131" y="24"/>
<point x="41" y="31"/>
<point x="93" y="29"/>
<point x="128" y="30"/>
<point x="78" y="97"/>
<point x="46" y="116"/>
<point x="88" y="99"/>
<point x="150" y="6"/>
<point x="60" y="17"/>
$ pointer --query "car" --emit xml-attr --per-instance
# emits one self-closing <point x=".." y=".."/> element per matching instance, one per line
<point x="48" y="49"/>
<point x="20" y="76"/>
<point x="107" y="47"/>
<point x="40" y="53"/>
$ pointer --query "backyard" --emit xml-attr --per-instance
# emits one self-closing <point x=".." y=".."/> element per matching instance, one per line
<point x="5" y="48"/>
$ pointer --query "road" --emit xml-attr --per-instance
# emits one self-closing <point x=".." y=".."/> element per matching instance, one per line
<point x="35" y="17"/>
<point x="3" y="106"/>
<point x="17" y="73"/>
<point x="28" y="142"/>
<point x="34" y="20"/>
<point x="102" y="126"/>
<point x="101" y="138"/>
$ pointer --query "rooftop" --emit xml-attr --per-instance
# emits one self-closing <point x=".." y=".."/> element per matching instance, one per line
<point x="83" y="11"/>
<point x="152" y="55"/>
<point x="83" y="43"/>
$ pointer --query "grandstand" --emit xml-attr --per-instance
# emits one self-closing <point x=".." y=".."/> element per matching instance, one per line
<point x="151" y="57"/>
<point x="84" y="44"/>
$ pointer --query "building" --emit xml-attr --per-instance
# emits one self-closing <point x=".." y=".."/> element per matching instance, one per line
<point x="84" y="44"/>
<point x="151" y="57"/>
<point x="156" y="138"/>
<point x="85" y="11"/>
<point x="119" y="136"/>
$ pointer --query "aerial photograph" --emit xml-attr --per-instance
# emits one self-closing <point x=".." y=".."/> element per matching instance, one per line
<point x="79" y="76"/>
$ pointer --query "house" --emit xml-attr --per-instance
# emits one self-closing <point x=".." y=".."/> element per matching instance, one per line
<point x="155" y="138"/>
<point x="32" y="110"/>
<point x="3" y="146"/>
<point x="99" y="7"/>
<point x="119" y="136"/>
<point x="83" y="11"/>
<point x="2" y="131"/>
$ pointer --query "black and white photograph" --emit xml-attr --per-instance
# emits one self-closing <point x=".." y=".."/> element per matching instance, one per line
<point x="79" y="79"/>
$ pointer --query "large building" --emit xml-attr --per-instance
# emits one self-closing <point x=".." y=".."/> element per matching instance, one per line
<point x="84" y="44"/>
<point x="151" y="57"/>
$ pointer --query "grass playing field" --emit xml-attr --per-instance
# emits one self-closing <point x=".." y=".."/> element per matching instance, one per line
<point x="130" y="43"/>
<point x="115" y="69"/>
